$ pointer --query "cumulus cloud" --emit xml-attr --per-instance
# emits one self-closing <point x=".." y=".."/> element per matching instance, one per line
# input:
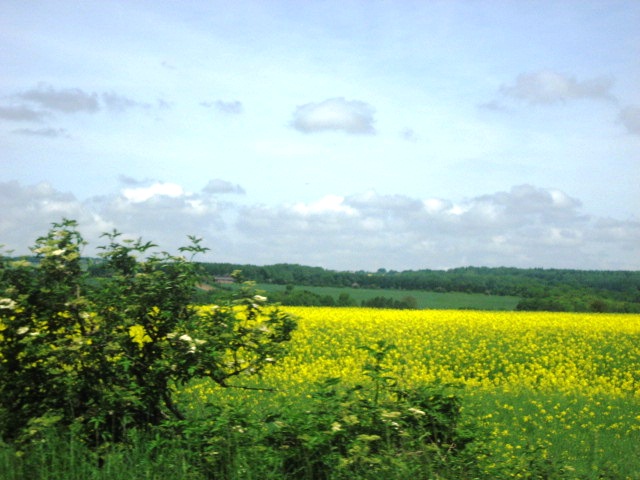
<point x="337" y="114"/>
<point x="28" y="211"/>
<point x="158" y="189"/>
<point x="525" y="226"/>
<point x="330" y="204"/>
<point x="630" y="118"/>
<point x="547" y="87"/>
<point x="162" y="212"/>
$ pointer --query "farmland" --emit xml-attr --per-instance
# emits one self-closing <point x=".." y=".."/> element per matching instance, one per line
<point x="561" y="386"/>
<point x="424" y="299"/>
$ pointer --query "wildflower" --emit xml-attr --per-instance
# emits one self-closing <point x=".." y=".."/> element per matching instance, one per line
<point x="390" y="414"/>
<point x="417" y="412"/>
<point x="185" y="338"/>
<point x="58" y="252"/>
<point x="336" y="427"/>
<point x="20" y="264"/>
<point x="259" y="298"/>
<point x="22" y="330"/>
<point x="351" y="420"/>
<point x="7" y="303"/>
<point x="139" y="335"/>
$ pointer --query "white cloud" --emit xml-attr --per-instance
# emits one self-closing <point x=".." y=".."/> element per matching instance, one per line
<point x="435" y="205"/>
<point x="29" y="211"/>
<point x="548" y="87"/>
<point x="337" y="114"/>
<point x="164" y="213"/>
<point x="158" y="189"/>
<point x="331" y="204"/>
<point x="526" y="226"/>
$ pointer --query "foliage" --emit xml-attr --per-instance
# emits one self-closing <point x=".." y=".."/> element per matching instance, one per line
<point x="407" y="302"/>
<point x="354" y="296"/>
<point x="340" y="431"/>
<point x="106" y="358"/>
<point x="302" y="298"/>
<point x="540" y="289"/>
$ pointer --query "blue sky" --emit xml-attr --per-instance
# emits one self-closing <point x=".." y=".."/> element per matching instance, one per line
<point x="350" y="135"/>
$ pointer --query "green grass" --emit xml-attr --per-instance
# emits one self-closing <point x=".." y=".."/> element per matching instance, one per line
<point x="531" y="434"/>
<point x="431" y="300"/>
<point x="573" y="436"/>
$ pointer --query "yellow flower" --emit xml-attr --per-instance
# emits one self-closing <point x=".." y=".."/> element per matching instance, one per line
<point x="139" y="335"/>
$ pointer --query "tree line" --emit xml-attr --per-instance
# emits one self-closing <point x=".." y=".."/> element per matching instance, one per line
<point x="538" y="288"/>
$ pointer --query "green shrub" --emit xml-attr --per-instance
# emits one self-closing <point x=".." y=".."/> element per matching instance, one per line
<point x="373" y="431"/>
<point x="107" y="357"/>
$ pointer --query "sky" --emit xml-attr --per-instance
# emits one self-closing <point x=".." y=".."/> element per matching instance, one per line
<point x="351" y="135"/>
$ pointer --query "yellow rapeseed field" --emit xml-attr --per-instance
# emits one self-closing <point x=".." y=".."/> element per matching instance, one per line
<point x="558" y="387"/>
<point x="589" y="354"/>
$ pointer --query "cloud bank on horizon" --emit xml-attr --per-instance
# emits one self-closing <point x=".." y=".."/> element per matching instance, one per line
<point x="351" y="135"/>
<point x="522" y="227"/>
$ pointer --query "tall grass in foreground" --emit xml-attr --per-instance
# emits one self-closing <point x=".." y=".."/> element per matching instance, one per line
<point x="546" y="395"/>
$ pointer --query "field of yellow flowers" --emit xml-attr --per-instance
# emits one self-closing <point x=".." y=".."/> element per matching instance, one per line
<point x="547" y="352"/>
<point x="565" y="386"/>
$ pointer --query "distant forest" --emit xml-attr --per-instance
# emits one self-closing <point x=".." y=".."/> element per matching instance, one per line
<point x="538" y="289"/>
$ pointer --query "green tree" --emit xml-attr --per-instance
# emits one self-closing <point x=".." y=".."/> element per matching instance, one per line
<point x="107" y="355"/>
